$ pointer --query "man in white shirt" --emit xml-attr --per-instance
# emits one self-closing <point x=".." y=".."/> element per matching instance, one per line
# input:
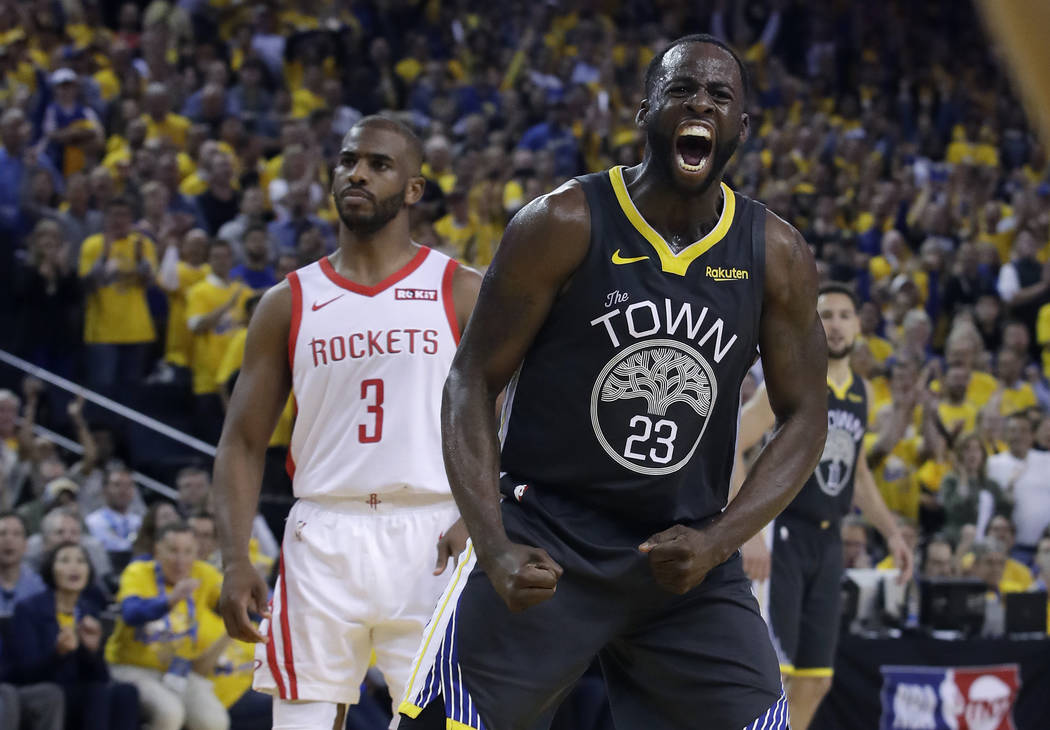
<point x="115" y="525"/>
<point x="1024" y="474"/>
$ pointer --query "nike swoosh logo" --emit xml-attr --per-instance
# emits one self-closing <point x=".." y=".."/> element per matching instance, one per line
<point x="325" y="304"/>
<point x="620" y="260"/>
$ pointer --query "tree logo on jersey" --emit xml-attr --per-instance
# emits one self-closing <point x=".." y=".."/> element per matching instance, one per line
<point x="836" y="463"/>
<point x="651" y="404"/>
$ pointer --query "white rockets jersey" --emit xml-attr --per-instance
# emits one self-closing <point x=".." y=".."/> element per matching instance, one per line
<point x="368" y="366"/>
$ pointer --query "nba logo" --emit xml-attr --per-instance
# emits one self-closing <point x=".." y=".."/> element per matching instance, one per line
<point x="519" y="491"/>
<point x="943" y="698"/>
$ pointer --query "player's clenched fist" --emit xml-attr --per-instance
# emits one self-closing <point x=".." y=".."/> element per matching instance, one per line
<point x="243" y="591"/>
<point x="678" y="558"/>
<point x="522" y="575"/>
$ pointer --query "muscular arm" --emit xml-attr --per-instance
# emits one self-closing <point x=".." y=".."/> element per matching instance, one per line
<point x="258" y="398"/>
<point x="542" y="247"/>
<point x="794" y="360"/>
<point x="866" y="496"/>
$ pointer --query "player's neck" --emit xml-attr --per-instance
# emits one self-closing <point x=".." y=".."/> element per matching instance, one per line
<point x="672" y="212"/>
<point x="838" y="370"/>
<point x="369" y="259"/>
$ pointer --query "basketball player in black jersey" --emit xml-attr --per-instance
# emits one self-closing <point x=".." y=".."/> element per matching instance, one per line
<point x="806" y="561"/>
<point x="621" y="313"/>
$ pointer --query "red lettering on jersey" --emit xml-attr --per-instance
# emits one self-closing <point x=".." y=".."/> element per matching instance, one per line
<point x="337" y="344"/>
<point x="374" y="344"/>
<point x="430" y="341"/>
<point x="392" y="338"/>
<point x="412" y="340"/>
<point x="354" y="353"/>
<point x="318" y="350"/>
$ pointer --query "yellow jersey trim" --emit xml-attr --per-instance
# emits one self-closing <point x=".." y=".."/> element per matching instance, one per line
<point x="671" y="262"/>
<point x="408" y="709"/>
<point x="813" y="672"/>
<point x="840" y="391"/>
<point x="451" y="724"/>
<point x="436" y="621"/>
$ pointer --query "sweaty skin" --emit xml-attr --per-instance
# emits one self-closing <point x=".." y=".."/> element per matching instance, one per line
<point x="379" y="163"/>
<point x="697" y="83"/>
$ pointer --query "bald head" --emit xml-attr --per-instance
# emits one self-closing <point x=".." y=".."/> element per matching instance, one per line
<point x="413" y="144"/>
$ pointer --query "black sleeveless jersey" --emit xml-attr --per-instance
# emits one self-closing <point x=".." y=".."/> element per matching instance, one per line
<point x="828" y="493"/>
<point x="627" y="400"/>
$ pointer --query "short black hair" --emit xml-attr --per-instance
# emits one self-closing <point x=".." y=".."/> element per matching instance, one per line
<point x="11" y="515"/>
<point x="415" y="144"/>
<point x="114" y="466"/>
<point x="658" y="59"/>
<point x="47" y="568"/>
<point x="838" y="287"/>
<point x="119" y="201"/>
<point x="179" y="527"/>
<point x="255" y="228"/>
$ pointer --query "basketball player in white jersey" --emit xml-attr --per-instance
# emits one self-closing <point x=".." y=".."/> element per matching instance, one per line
<point x="364" y="339"/>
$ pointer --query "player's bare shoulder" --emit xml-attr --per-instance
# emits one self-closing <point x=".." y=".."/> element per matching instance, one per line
<point x="791" y="271"/>
<point x="548" y="239"/>
<point x="272" y="321"/>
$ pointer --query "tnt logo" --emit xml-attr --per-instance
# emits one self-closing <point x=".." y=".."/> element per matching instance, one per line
<point x="426" y="295"/>
<point x="944" y="698"/>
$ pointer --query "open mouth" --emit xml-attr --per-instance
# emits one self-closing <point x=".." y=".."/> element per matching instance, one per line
<point x="693" y="147"/>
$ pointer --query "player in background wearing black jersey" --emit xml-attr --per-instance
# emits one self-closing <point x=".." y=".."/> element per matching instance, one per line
<point x="621" y="313"/>
<point x="805" y="564"/>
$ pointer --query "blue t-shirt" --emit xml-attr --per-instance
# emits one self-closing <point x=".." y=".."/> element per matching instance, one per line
<point x="254" y="278"/>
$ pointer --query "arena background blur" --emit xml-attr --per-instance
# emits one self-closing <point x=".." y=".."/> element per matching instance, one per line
<point x="162" y="165"/>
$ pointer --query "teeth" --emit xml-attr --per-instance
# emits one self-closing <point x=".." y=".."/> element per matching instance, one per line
<point x="691" y="168"/>
<point x="696" y="130"/>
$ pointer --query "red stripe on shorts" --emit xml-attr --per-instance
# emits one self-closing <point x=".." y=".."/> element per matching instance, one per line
<point x="271" y="657"/>
<point x="286" y="634"/>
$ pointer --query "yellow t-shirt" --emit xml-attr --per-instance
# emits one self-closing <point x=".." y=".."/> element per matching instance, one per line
<point x="979" y="390"/>
<point x="174" y="127"/>
<point x="472" y="240"/>
<point x="932" y="473"/>
<point x="1017" y="399"/>
<point x="232" y="675"/>
<point x="305" y="102"/>
<point x="880" y="349"/>
<point x="65" y="620"/>
<point x="408" y="69"/>
<point x="232" y="360"/>
<point x="1042" y="336"/>
<point x="117" y="313"/>
<point x="177" y="345"/>
<point x="177" y="634"/>
<point x="209" y="347"/>
<point x="1017" y="578"/>
<point x="445" y="180"/>
<point x="896" y="476"/>
<point x="951" y="416"/>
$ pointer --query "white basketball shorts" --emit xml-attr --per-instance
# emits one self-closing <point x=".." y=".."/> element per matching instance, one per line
<point x="356" y="575"/>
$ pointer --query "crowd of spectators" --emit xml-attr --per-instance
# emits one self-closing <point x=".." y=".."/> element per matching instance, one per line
<point x="162" y="165"/>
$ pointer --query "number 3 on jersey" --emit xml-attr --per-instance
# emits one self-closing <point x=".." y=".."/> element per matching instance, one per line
<point x="662" y="439"/>
<point x="375" y="407"/>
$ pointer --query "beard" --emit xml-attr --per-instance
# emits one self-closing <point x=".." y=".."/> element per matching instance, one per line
<point x="842" y="353"/>
<point x="384" y="211"/>
<point x="662" y="147"/>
